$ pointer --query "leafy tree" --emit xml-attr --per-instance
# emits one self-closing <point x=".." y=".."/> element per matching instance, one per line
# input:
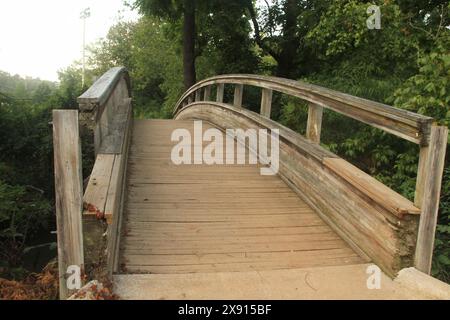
<point x="151" y="58"/>
<point x="280" y="28"/>
<point x="26" y="173"/>
<point x="174" y="10"/>
<point x="218" y="30"/>
<point x="69" y="87"/>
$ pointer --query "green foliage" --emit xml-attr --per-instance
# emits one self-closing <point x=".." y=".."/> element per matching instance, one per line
<point x="162" y="8"/>
<point x="23" y="213"/>
<point x="151" y="50"/>
<point x="294" y="115"/>
<point x="428" y="92"/>
<point x="26" y="161"/>
<point x="441" y="261"/>
<point x="69" y="88"/>
<point x="25" y="150"/>
<point x="145" y="49"/>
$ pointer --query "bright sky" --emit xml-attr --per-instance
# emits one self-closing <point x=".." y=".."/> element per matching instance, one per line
<point x="39" y="37"/>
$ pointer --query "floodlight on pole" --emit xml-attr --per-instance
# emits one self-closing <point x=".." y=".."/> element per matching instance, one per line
<point x="85" y="14"/>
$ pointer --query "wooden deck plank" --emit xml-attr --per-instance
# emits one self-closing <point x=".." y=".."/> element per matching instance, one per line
<point x="189" y="219"/>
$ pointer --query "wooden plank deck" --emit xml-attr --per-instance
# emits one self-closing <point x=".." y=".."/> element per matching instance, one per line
<point x="199" y="218"/>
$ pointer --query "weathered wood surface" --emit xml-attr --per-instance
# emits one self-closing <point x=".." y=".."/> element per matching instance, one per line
<point x="266" y="102"/>
<point x="116" y="209"/>
<point x="105" y="193"/>
<point x="94" y="200"/>
<point x="373" y="219"/>
<point x="106" y="177"/>
<point x="371" y="187"/>
<point x="109" y="113"/>
<point x="407" y="125"/>
<point x="198" y="95"/>
<point x="314" y="125"/>
<point x="207" y="93"/>
<point x="189" y="219"/>
<point x="432" y="191"/>
<point x="238" y="95"/>
<point x="421" y="175"/>
<point x="69" y="191"/>
<point x="102" y="89"/>
<point x="220" y="92"/>
<point x="113" y="142"/>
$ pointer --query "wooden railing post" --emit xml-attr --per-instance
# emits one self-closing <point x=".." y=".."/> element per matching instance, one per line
<point x="238" y="93"/>
<point x="220" y="92"/>
<point x="198" y="95"/>
<point x="314" y="127"/>
<point x="207" y="93"/>
<point x="266" y="102"/>
<point x="69" y="194"/>
<point x="434" y="169"/>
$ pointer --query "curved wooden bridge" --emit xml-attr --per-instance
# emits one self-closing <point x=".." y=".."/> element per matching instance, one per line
<point x="162" y="230"/>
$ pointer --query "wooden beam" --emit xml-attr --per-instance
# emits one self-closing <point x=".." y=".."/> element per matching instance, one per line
<point x="266" y="102"/>
<point x="190" y="99"/>
<point x="421" y="174"/>
<point x="207" y="94"/>
<point x="69" y="194"/>
<point x="238" y="93"/>
<point x="96" y="194"/>
<point x="198" y="95"/>
<point x="314" y="127"/>
<point x="431" y="194"/>
<point x="220" y="92"/>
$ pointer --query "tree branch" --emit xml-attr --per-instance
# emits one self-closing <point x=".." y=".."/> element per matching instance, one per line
<point x="259" y="40"/>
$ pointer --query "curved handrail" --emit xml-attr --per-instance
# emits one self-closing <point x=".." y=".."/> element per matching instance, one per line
<point x="103" y="105"/>
<point x="102" y="89"/>
<point x="405" y="124"/>
<point x="410" y="126"/>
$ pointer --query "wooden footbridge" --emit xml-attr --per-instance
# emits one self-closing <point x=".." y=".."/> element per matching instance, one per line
<point x="162" y="230"/>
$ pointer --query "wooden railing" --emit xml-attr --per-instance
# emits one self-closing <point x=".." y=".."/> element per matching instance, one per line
<point x="108" y="102"/>
<point x="375" y="219"/>
<point x="106" y="108"/>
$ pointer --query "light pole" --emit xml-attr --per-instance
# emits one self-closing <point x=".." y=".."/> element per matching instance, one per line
<point x="86" y="13"/>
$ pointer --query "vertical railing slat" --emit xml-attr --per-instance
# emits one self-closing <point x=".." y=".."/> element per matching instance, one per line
<point x="198" y="95"/>
<point x="238" y="93"/>
<point x="207" y="93"/>
<point x="266" y="102"/>
<point x="314" y="126"/>
<point x="220" y="92"/>
<point x="421" y="174"/>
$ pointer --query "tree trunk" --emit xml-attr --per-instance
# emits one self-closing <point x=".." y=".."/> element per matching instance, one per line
<point x="189" y="35"/>
<point x="289" y="43"/>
